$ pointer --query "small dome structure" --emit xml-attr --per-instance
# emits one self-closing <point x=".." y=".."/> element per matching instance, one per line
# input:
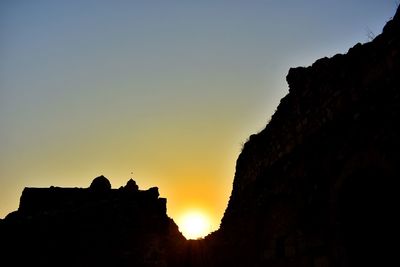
<point x="101" y="184"/>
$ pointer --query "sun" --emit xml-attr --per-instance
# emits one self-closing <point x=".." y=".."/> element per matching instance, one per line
<point x="194" y="225"/>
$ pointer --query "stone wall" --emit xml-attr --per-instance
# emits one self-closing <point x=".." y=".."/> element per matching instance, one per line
<point x="45" y="200"/>
<point x="95" y="226"/>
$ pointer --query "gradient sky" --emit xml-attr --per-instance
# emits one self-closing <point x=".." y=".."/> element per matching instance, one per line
<point x="166" y="90"/>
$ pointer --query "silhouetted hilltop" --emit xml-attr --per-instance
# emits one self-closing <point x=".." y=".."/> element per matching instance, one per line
<point x="316" y="187"/>
<point x="95" y="226"/>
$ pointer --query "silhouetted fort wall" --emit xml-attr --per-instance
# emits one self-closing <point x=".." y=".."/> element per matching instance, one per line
<point x="36" y="200"/>
<point x="95" y="226"/>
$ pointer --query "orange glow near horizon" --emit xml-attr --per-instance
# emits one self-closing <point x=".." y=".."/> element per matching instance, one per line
<point x="194" y="224"/>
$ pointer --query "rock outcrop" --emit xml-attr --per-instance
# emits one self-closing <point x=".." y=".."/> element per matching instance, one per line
<point x="95" y="226"/>
<point x="317" y="187"/>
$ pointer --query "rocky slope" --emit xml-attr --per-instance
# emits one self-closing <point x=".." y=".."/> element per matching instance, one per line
<point x="316" y="187"/>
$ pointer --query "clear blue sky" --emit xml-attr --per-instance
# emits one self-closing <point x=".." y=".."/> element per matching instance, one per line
<point x="168" y="90"/>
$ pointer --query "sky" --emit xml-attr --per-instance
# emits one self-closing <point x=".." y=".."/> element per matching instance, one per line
<point x="164" y="92"/>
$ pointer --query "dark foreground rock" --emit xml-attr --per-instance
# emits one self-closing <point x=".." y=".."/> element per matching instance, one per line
<point x="95" y="226"/>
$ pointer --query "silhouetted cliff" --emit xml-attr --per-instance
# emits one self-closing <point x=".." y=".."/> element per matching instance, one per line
<point x="317" y="187"/>
<point x="95" y="226"/>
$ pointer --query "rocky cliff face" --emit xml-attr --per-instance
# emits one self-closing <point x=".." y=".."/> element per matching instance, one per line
<point x="317" y="186"/>
<point x="95" y="226"/>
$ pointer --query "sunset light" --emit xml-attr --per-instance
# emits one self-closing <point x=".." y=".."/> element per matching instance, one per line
<point x="194" y="225"/>
<point x="199" y="133"/>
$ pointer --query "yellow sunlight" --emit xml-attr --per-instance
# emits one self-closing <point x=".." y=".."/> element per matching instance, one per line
<point x="194" y="224"/>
